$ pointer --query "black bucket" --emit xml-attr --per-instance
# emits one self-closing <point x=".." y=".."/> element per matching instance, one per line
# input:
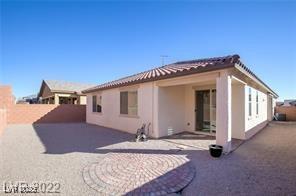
<point x="215" y="150"/>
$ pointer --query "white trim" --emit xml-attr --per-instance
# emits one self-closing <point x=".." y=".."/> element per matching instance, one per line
<point x="195" y="78"/>
<point x="129" y="88"/>
<point x="242" y="70"/>
<point x="238" y="80"/>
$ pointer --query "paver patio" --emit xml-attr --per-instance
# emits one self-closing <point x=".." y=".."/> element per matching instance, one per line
<point x="264" y="165"/>
<point x="139" y="174"/>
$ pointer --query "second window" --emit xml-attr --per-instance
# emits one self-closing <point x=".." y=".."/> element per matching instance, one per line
<point x="129" y="103"/>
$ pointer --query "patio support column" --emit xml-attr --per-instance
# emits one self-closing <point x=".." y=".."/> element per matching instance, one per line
<point x="155" y="105"/>
<point x="223" y="111"/>
<point x="56" y="99"/>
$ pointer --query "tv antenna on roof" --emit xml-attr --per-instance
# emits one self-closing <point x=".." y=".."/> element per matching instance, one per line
<point x="162" y="59"/>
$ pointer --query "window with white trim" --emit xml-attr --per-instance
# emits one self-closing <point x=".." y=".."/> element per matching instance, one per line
<point x="129" y="103"/>
<point x="250" y="102"/>
<point x="97" y="103"/>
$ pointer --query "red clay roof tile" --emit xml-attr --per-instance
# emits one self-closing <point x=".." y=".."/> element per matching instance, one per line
<point x="177" y="69"/>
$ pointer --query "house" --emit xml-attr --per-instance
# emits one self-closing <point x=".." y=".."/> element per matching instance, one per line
<point x="286" y="102"/>
<point x="289" y="102"/>
<point x="279" y="103"/>
<point x="214" y="96"/>
<point x="62" y="92"/>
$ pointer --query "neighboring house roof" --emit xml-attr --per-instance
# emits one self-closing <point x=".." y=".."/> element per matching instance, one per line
<point x="289" y="102"/>
<point x="29" y="97"/>
<point x="293" y="103"/>
<point x="64" y="86"/>
<point x="180" y="69"/>
<point x="279" y="103"/>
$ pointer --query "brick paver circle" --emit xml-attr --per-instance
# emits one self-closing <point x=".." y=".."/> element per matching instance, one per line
<point x="139" y="174"/>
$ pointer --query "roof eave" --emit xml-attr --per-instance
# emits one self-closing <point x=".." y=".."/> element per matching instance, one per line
<point x="242" y="68"/>
<point x="174" y="75"/>
<point x="64" y="91"/>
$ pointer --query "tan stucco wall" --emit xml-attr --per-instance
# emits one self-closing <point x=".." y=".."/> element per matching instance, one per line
<point x="189" y="108"/>
<point x="110" y="116"/>
<point x="82" y="100"/>
<point x="171" y="110"/>
<point x="170" y="104"/>
<point x="238" y="111"/>
<point x="255" y="120"/>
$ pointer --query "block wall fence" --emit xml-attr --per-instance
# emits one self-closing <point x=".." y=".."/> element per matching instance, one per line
<point x="11" y="113"/>
<point x="290" y="112"/>
<point x="46" y="113"/>
<point x="6" y="102"/>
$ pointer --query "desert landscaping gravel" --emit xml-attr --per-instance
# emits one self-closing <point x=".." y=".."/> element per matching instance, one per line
<point x="263" y="165"/>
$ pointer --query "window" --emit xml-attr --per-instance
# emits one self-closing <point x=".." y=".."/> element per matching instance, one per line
<point x="257" y="103"/>
<point x="129" y="102"/>
<point x="250" y="102"/>
<point x="97" y="103"/>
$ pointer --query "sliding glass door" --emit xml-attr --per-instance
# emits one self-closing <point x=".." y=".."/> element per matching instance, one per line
<point x="205" y="110"/>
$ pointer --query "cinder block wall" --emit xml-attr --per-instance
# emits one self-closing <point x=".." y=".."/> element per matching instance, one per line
<point x="3" y="120"/>
<point x="6" y="97"/>
<point x="11" y="113"/>
<point x="46" y="113"/>
<point x="6" y="102"/>
<point x="290" y="112"/>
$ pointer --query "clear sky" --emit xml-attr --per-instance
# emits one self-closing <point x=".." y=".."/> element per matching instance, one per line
<point x="95" y="42"/>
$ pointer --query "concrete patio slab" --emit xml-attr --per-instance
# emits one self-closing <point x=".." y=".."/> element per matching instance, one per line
<point x="196" y="140"/>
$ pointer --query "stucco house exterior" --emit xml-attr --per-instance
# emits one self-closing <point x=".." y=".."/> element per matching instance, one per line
<point x="62" y="92"/>
<point x="214" y="96"/>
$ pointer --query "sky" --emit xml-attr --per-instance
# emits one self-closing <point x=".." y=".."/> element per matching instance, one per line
<point x="95" y="41"/>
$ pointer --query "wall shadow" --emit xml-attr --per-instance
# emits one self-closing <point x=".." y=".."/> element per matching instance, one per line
<point x="174" y="180"/>
<point x="63" y="114"/>
<point x="64" y="138"/>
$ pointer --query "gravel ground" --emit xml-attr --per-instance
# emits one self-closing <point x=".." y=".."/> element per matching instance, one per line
<point x="264" y="165"/>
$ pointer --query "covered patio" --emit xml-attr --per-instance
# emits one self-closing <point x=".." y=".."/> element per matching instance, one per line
<point x="205" y="108"/>
<point x="61" y="99"/>
<point x="187" y="139"/>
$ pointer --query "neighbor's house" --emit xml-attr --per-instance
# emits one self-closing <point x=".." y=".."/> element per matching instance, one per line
<point x="216" y="96"/>
<point x="61" y="92"/>
<point x="286" y="102"/>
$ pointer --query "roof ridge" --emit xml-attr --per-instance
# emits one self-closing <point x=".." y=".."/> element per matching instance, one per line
<point x="65" y="81"/>
<point x="234" y="57"/>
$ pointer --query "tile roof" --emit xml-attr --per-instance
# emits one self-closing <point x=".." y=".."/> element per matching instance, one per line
<point x="181" y="68"/>
<point x="64" y="86"/>
<point x="170" y="70"/>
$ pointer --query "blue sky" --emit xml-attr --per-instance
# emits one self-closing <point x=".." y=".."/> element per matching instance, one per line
<point x="94" y="41"/>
